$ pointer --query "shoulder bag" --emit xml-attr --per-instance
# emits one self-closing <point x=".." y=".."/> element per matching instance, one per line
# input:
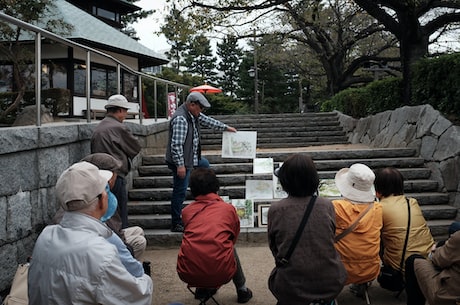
<point x="354" y="224"/>
<point x="18" y="293"/>
<point x="390" y="278"/>
<point x="285" y="260"/>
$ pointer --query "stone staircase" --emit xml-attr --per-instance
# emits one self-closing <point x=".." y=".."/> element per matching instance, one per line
<point x="278" y="136"/>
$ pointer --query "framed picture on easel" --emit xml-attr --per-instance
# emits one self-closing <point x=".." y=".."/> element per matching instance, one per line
<point x="262" y="215"/>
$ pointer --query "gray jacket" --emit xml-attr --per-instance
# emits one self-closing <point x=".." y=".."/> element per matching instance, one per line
<point x="315" y="270"/>
<point x="73" y="263"/>
<point x="114" y="138"/>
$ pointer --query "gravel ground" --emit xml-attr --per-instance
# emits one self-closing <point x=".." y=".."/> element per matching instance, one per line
<point x="257" y="263"/>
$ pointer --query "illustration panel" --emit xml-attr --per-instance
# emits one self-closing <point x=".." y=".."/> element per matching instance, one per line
<point x="245" y="211"/>
<point x="259" y="189"/>
<point x="262" y="166"/>
<point x="241" y="144"/>
<point x="327" y="188"/>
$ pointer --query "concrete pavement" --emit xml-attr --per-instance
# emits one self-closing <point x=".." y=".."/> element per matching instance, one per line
<point x="257" y="263"/>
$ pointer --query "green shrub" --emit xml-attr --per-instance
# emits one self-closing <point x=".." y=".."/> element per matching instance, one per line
<point x="351" y="101"/>
<point x="436" y="81"/>
<point x="57" y="100"/>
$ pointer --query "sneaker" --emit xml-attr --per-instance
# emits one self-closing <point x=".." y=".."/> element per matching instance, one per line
<point x="177" y="228"/>
<point x="244" y="295"/>
<point x="204" y="293"/>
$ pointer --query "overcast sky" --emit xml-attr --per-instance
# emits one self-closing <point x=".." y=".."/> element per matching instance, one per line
<point x="147" y="26"/>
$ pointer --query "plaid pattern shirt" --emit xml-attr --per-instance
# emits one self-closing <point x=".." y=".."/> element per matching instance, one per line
<point x="179" y="133"/>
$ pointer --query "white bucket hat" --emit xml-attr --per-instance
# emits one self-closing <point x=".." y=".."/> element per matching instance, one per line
<point x="117" y="100"/>
<point x="356" y="183"/>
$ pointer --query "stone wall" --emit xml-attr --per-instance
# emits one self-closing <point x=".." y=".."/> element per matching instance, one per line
<point x="32" y="158"/>
<point x="434" y="137"/>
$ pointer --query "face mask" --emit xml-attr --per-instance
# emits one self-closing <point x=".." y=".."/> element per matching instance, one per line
<point x="112" y="205"/>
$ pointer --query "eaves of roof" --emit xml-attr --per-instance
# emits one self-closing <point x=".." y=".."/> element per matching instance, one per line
<point x="93" y="32"/>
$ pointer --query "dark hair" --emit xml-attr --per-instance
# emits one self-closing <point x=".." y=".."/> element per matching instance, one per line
<point x="298" y="176"/>
<point x="389" y="181"/>
<point x="203" y="181"/>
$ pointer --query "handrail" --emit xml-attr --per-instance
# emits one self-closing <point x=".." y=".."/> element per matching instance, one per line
<point x="47" y="34"/>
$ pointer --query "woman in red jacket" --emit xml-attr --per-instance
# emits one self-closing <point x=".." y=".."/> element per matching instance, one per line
<point x="207" y="258"/>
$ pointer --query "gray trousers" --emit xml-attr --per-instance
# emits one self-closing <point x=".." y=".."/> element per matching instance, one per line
<point x="238" y="279"/>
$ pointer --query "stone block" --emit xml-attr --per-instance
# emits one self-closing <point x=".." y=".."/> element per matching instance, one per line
<point x="426" y="119"/>
<point x="19" y="172"/>
<point x="18" y="139"/>
<point x="51" y="163"/>
<point x="8" y="261"/>
<point x="3" y="209"/>
<point x="18" y="216"/>
<point x="450" y="171"/>
<point x="440" y="126"/>
<point x="448" y="144"/>
<point x="428" y="147"/>
<point x="53" y="135"/>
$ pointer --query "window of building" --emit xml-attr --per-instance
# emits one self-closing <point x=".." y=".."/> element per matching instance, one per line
<point x="103" y="81"/>
<point x="97" y="11"/>
<point x="6" y="78"/>
<point x="54" y="75"/>
<point x="129" y="86"/>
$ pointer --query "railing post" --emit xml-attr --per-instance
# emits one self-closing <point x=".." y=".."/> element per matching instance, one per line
<point x="155" y="100"/>
<point x="88" y="86"/>
<point x="38" y="76"/>
<point x="141" y="96"/>
<point x="118" y="79"/>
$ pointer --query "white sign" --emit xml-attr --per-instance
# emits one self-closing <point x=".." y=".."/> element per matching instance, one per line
<point x="241" y="144"/>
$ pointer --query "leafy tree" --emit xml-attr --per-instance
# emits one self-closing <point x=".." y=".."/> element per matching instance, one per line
<point x="230" y="57"/>
<point x="341" y="36"/>
<point x="178" y="31"/>
<point x="199" y="58"/>
<point x="413" y="22"/>
<point x="13" y="48"/>
<point x="129" y="19"/>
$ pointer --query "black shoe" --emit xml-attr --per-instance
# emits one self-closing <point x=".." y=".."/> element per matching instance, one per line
<point x="204" y="293"/>
<point x="177" y="228"/>
<point x="244" y="295"/>
<point x="147" y="270"/>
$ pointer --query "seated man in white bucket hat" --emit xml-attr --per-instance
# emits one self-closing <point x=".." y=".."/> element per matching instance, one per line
<point x="358" y="223"/>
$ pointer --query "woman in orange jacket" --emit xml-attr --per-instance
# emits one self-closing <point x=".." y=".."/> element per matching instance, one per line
<point x="358" y="225"/>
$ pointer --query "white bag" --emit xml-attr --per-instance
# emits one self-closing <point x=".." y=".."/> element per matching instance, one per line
<point x="18" y="293"/>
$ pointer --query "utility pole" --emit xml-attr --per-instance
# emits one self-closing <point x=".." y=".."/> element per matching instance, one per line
<point x="256" y="77"/>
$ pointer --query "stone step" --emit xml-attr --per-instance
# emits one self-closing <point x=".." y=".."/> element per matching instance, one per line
<point x="317" y="153"/>
<point x="420" y="174"/>
<point x="269" y="133"/>
<point x="321" y="165"/>
<point x="238" y="192"/>
<point x="166" y="238"/>
<point x="139" y="209"/>
<point x="287" y="144"/>
<point x="278" y="136"/>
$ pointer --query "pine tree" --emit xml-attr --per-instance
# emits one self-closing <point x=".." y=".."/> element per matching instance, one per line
<point x="230" y="59"/>
<point x="199" y="58"/>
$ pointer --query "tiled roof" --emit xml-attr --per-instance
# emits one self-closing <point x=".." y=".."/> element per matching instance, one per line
<point x="90" y="29"/>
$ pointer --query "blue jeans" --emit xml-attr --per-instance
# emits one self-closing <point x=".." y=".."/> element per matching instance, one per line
<point x="180" y="191"/>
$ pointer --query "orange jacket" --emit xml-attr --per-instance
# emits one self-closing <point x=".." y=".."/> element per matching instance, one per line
<point x="360" y="248"/>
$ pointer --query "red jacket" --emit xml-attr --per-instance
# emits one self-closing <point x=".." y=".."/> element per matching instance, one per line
<point x="206" y="256"/>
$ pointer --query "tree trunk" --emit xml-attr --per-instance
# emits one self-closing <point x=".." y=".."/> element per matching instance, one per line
<point x="413" y="46"/>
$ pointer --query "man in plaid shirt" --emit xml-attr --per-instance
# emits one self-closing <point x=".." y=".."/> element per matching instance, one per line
<point x="183" y="152"/>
